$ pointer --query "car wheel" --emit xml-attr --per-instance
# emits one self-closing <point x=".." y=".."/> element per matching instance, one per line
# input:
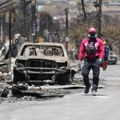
<point x="63" y="79"/>
<point x="17" y="77"/>
<point x="115" y="62"/>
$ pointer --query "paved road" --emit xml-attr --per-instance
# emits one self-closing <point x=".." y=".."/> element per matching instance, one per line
<point x="113" y="71"/>
<point x="104" y="106"/>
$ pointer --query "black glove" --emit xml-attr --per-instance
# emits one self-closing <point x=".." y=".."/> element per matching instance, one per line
<point x="99" y="61"/>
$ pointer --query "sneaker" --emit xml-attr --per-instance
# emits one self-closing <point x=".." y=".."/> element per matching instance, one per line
<point x="94" y="90"/>
<point x="87" y="89"/>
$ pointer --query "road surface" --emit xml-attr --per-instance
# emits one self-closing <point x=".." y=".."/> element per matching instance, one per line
<point x="104" y="106"/>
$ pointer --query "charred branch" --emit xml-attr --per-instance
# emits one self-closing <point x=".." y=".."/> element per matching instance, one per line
<point x="83" y="8"/>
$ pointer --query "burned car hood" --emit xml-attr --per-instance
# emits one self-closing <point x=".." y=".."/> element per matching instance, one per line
<point x="53" y="58"/>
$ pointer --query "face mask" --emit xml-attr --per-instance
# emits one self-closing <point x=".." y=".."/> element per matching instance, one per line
<point x="92" y="35"/>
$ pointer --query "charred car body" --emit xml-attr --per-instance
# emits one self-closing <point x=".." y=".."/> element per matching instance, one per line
<point x="40" y="62"/>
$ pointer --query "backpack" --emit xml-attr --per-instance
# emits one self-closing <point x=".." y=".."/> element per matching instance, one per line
<point x="91" y="48"/>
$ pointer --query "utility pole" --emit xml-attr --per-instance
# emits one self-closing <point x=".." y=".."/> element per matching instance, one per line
<point x="10" y="35"/>
<point x="24" y="4"/>
<point x="33" y="11"/>
<point x="23" y="7"/>
<point x="100" y="13"/>
<point x="67" y="38"/>
<point x="98" y="5"/>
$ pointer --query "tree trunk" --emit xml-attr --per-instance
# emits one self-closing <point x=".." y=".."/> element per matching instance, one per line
<point x="83" y="8"/>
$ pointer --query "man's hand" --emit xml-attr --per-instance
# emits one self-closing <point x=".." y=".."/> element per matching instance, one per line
<point x="99" y="61"/>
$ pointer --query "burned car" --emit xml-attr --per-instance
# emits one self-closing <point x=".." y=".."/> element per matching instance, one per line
<point x="40" y="62"/>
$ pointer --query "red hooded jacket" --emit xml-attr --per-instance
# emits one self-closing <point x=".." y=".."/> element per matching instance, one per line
<point x="98" y="45"/>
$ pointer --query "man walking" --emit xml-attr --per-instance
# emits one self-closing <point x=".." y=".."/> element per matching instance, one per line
<point x="92" y="51"/>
